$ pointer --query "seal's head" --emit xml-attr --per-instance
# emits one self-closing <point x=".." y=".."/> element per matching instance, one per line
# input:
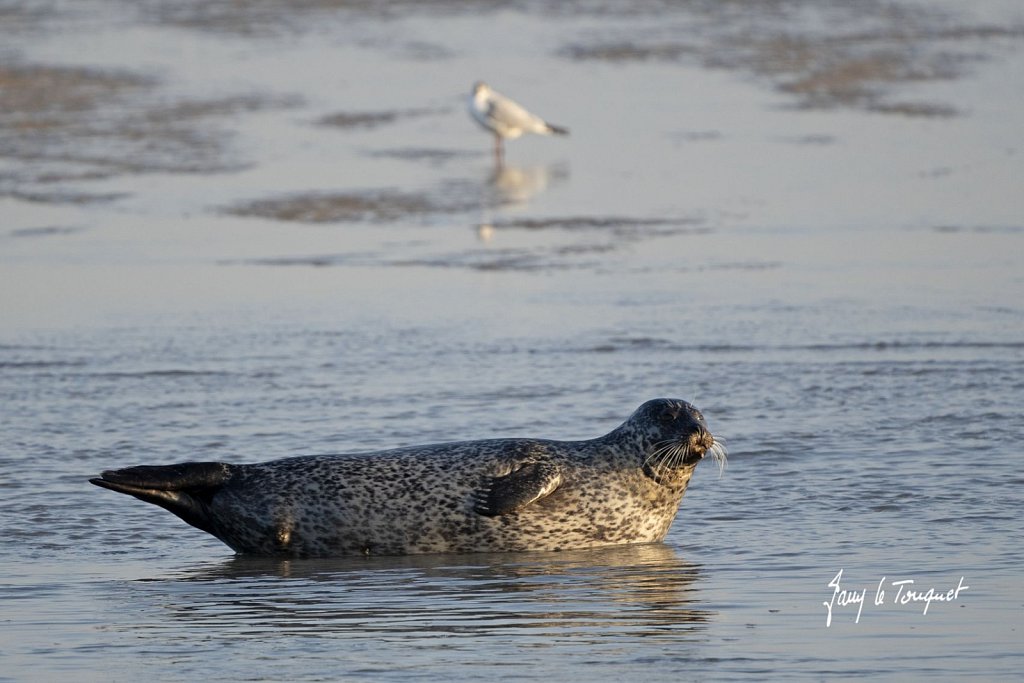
<point x="673" y="437"/>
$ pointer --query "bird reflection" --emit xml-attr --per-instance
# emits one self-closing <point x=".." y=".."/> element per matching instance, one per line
<point x="518" y="184"/>
<point x="509" y="186"/>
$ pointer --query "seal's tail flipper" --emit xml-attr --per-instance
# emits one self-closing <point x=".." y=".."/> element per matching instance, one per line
<point x="184" y="489"/>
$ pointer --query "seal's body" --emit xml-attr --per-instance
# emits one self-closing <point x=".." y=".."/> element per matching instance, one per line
<point x="470" y="496"/>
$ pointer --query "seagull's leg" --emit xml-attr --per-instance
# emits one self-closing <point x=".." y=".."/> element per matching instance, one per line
<point x="499" y="149"/>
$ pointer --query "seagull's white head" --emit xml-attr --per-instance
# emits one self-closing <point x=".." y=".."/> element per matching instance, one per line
<point x="480" y="88"/>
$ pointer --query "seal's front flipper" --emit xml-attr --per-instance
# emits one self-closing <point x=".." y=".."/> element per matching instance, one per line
<point x="184" y="489"/>
<point x="517" y="489"/>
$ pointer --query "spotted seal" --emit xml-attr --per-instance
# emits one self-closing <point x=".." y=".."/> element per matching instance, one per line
<point x="469" y="496"/>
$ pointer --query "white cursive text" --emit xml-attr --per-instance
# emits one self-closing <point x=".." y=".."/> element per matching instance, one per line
<point x="906" y="593"/>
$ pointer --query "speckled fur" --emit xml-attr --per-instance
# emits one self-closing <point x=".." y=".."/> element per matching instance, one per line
<point x="427" y="499"/>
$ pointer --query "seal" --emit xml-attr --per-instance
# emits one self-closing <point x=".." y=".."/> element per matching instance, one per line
<point x="470" y="496"/>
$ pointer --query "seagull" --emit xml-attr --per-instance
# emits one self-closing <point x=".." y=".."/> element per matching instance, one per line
<point x="505" y="118"/>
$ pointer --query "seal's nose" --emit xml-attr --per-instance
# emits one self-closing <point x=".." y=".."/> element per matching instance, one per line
<point x="700" y="441"/>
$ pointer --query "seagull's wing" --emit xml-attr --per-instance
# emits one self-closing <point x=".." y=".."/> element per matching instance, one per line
<point x="510" y="114"/>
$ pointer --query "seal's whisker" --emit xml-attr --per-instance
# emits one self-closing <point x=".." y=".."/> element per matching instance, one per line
<point x="658" y="459"/>
<point x="719" y="453"/>
<point x="682" y="453"/>
<point x="660" y="450"/>
<point x="677" y="456"/>
<point x="667" y="457"/>
<point x="672" y="454"/>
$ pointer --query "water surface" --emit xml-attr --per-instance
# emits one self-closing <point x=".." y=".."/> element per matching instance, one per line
<point x="230" y="232"/>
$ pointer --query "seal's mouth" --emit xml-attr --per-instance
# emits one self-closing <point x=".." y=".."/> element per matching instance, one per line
<point x="673" y="454"/>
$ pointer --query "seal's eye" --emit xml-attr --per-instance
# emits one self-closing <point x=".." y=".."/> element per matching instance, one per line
<point x="666" y="416"/>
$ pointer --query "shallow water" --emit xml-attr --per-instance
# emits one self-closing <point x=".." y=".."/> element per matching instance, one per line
<point x="231" y="232"/>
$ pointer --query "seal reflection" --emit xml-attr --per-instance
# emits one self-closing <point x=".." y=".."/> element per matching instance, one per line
<point x="593" y="595"/>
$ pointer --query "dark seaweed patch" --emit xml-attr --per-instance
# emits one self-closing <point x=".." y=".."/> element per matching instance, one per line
<point x="376" y="206"/>
<point x="63" y="124"/>
<point x="825" y="54"/>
